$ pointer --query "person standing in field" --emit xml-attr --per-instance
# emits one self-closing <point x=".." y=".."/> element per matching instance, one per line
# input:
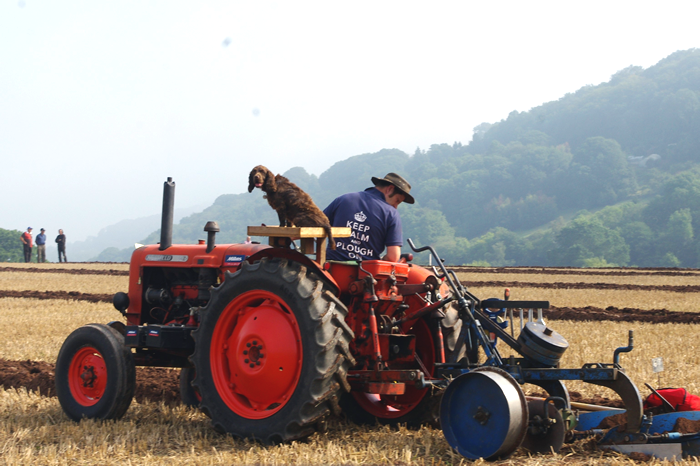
<point x="41" y="246"/>
<point x="27" y="243"/>
<point x="61" y="242"/>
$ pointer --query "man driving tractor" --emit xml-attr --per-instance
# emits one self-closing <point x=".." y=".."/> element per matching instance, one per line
<point x="374" y="219"/>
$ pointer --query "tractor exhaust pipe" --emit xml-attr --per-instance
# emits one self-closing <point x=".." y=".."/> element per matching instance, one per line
<point x="166" y="222"/>
<point x="212" y="228"/>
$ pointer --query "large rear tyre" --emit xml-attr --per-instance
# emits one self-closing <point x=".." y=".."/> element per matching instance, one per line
<point x="95" y="374"/>
<point x="415" y="407"/>
<point x="271" y="352"/>
<point x="188" y="395"/>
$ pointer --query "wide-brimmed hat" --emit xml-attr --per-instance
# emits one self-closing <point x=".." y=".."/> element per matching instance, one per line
<point x="398" y="181"/>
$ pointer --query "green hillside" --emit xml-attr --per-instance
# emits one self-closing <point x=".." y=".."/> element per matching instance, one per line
<point x="607" y="175"/>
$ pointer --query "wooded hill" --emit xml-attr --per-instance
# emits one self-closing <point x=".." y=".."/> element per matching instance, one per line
<point x="607" y="175"/>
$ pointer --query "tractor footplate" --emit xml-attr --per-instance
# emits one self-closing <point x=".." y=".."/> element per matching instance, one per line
<point x="390" y="382"/>
<point x="385" y="388"/>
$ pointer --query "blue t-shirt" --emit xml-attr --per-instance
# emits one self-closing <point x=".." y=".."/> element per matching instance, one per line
<point x="374" y="224"/>
<point x="40" y="239"/>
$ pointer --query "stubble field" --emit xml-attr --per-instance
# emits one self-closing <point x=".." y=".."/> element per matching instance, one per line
<point x="40" y="304"/>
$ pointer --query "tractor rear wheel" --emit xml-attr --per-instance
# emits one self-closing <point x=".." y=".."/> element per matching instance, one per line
<point x="272" y="352"/>
<point x="95" y="374"/>
<point x="188" y="395"/>
<point x="415" y="407"/>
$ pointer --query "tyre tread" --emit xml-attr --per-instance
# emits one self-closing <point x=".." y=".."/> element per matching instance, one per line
<point x="331" y="336"/>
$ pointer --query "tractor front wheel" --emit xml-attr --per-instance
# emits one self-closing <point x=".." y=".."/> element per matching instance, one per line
<point x="95" y="374"/>
<point x="271" y="352"/>
<point x="188" y="395"/>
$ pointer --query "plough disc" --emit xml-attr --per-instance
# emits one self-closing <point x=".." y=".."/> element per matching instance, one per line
<point x="547" y="429"/>
<point x="484" y="414"/>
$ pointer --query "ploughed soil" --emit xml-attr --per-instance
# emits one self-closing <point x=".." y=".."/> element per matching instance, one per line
<point x="152" y="383"/>
<point x="585" y="286"/>
<point x="69" y="271"/>
<point x="161" y="384"/>
<point x="632" y="271"/>
<point x="588" y="313"/>
<point x="75" y="295"/>
<point x="617" y="272"/>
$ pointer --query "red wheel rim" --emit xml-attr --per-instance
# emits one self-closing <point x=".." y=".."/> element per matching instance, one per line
<point x="395" y="406"/>
<point x="87" y="376"/>
<point x="256" y="354"/>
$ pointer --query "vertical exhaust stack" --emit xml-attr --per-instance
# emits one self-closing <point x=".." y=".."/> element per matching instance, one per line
<point x="212" y="228"/>
<point x="166" y="222"/>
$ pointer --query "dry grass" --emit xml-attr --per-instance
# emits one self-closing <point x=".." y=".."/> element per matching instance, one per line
<point x="35" y="328"/>
<point x="629" y="270"/>
<point x="34" y="430"/>
<point x="678" y="302"/>
<point x="596" y="341"/>
<point x="68" y="265"/>
<point x="23" y="281"/>
<point x="632" y="279"/>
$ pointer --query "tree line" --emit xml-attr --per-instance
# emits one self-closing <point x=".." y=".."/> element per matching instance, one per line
<point x="607" y="175"/>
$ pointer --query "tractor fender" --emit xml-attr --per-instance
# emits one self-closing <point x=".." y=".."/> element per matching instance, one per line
<point x="295" y="256"/>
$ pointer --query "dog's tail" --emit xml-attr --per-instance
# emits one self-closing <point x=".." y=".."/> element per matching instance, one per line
<point x="329" y="233"/>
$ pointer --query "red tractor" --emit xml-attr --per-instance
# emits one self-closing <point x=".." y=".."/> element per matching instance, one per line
<point x="270" y="339"/>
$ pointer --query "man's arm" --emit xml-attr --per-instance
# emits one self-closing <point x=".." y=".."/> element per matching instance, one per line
<point x="393" y="253"/>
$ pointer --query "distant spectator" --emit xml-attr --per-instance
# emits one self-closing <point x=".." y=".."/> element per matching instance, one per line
<point x="247" y="240"/>
<point x="61" y="242"/>
<point x="27" y="242"/>
<point x="41" y="246"/>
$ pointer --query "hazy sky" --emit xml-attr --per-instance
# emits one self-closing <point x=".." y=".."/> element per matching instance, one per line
<point x="101" y="101"/>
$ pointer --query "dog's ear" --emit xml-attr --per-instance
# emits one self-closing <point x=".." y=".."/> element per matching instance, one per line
<point x="269" y="185"/>
<point x="251" y="180"/>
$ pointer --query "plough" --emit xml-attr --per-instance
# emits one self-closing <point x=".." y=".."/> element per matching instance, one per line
<point x="485" y="414"/>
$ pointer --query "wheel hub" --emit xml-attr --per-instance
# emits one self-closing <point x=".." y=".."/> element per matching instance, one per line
<point x="253" y="355"/>
<point x="256" y="354"/>
<point x="87" y="376"/>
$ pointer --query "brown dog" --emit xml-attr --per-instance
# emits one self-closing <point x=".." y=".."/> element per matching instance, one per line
<point x="294" y="207"/>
